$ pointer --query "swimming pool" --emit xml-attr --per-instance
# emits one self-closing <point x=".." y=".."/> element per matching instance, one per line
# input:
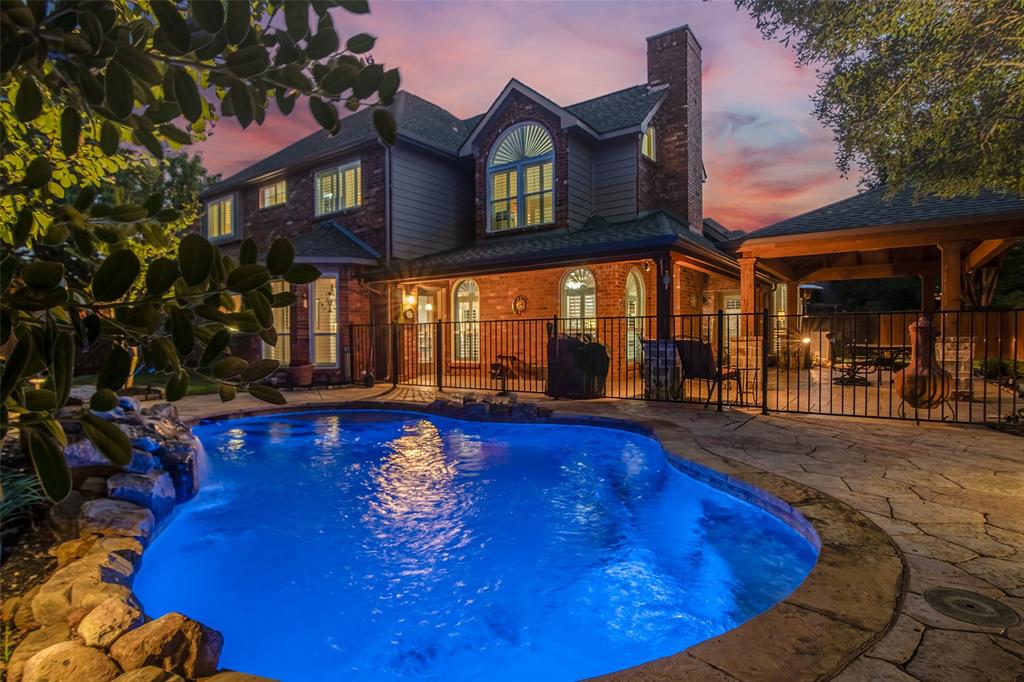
<point x="380" y="545"/>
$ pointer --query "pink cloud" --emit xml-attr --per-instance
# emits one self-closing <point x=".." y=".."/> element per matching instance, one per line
<point x="766" y="157"/>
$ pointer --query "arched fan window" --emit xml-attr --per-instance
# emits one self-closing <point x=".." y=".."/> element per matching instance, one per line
<point x="521" y="178"/>
<point x="579" y="302"/>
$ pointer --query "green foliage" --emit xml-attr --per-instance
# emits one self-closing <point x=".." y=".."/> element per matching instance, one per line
<point x="928" y="95"/>
<point x="95" y="91"/>
<point x="1010" y="287"/>
<point x="22" y="494"/>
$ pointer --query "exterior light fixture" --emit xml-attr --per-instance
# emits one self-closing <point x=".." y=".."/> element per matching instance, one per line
<point x="37" y="382"/>
<point x="410" y="299"/>
<point x="806" y="341"/>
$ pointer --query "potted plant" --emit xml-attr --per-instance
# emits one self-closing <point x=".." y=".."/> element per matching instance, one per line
<point x="300" y="373"/>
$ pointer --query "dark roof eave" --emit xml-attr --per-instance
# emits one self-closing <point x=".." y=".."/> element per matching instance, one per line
<point x="507" y="263"/>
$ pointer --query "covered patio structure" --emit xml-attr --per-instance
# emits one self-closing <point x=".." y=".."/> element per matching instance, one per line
<point x="855" y="357"/>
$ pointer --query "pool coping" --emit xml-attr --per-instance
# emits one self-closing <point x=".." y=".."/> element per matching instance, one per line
<point x="848" y="601"/>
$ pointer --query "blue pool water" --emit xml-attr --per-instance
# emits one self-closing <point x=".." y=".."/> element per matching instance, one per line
<point x="393" y="545"/>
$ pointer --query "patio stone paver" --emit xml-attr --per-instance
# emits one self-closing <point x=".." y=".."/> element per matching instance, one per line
<point x="950" y="497"/>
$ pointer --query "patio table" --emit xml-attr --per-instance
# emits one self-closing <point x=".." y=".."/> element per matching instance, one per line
<point x="886" y="356"/>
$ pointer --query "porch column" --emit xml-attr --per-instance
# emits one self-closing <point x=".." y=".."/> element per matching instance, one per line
<point x="748" y="295"/>
<point x="663" y="299"/>
<point x="792" y="297"/>
<point x="927" y="293"/>
<point x="952" y="267"/>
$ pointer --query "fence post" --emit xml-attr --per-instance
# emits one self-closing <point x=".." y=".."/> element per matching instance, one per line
<point x="438" y="353"/>
<point x="351" y="353"/>
<point x="393" y="328"/>
<point x="764" y="360"/>
<point x="552" y="334"/>
<point x="720" y="336"/>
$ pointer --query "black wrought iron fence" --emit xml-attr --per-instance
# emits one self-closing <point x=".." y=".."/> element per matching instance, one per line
<point x="943" y="366"/>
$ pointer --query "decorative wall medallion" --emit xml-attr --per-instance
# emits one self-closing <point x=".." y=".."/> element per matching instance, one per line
<point x="409" y="313"/>
<point x="519" y="305"/>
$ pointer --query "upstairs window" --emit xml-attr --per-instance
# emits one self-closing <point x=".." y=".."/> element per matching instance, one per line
<point x="273" y="195"/>
<point x="521" y="179"/>
<point x="339" y="189"/>
<point x="647" y="145"/>
<point x="220" y="218"/>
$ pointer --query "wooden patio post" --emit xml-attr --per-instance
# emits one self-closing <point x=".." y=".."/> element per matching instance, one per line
<point x="952" y="267"/>
<point x="748" y="295"/>
<point x="927" y="293"/>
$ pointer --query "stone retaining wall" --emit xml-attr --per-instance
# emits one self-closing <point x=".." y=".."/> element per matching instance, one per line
<point x="84" y="622"/>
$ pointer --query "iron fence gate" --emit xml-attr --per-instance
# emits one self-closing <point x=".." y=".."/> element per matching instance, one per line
<point x="963" y="366"/>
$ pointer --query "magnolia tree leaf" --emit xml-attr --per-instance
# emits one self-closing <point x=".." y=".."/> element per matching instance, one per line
<point x="195" y="258"/>
<point x="116" y="276"/>
<point x="108" y="438"/>
<point x="280" y="257"/>
<point x="267" y="394"/>
<point x="49" y="462"/>
<point x="114" y="371"/>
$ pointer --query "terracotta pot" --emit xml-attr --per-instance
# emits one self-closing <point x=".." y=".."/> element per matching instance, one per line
<point x="923" y="383"/>
<point x="301" y="375"/>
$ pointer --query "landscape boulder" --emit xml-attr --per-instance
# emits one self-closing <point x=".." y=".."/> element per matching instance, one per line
<point x="72" y="550"/>
<point x="149" y="674"/>
<point x="117" y="518"/>
<point x="82" y="585"/>
<point x="180" y="459"/>
<point x="69" y="661"/>
<point x="64" y="514"/>
<point x="108" y="621"/>
<point x="174" y="643"/>
<point x="128" y="548"/>
<point x="152" y="490"/>
<point x="34" y="642"/>
<point x="162" y="410"/>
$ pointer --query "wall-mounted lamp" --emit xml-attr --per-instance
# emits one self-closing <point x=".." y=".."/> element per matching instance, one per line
<point x="410" y="299"/>
<point x="647" y="265"/>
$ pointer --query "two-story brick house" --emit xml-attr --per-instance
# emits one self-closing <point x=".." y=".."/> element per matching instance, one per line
<point x="531" y="209"/>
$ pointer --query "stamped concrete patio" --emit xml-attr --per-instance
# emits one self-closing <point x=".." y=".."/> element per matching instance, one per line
<point x="950" y="498"/>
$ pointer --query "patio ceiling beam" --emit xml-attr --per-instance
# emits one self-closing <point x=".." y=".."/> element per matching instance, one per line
<point x="985" y="252"/>
<point x="878" y="238"/>
<point x="879" y="271"/>
<point x="777" y="268"/>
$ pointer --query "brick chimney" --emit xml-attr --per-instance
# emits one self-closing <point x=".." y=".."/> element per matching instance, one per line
<point x="673" y="59"/>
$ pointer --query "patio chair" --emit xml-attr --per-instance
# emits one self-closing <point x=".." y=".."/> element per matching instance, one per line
<point x="849" y="369"/>
<point x="698" y="360"/>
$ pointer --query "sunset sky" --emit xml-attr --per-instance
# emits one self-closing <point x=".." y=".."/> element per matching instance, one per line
<point x="767" y="158"/>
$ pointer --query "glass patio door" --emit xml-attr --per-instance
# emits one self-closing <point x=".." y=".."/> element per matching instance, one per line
<point x="425" y="314"/>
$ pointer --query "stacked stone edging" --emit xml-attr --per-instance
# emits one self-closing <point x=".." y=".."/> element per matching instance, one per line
<point x="84" y="622"/>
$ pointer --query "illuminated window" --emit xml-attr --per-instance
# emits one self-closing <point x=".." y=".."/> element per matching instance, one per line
<point x="339" y="189"/>
<point x="273" y="195"/>
<point x="467" y="321"/>
<point x="522" y="179"/>
<point x="579" y="302"/>
<point x="634" y="314"/>
<point x="325" y="321"/>
<point x="283" y="326"/>
<point x="220" y="218"/>
<point x="647" y="146"/>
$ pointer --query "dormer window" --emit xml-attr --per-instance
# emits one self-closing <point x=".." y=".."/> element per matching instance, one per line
<point x="647" y="145"/>
<point x="521" y="179"/>
<point x="220" y="218"/>
<point x="273" y="194"/>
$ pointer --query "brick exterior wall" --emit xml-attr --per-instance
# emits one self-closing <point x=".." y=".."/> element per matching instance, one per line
<point x="675" y="180"/>
<point x="297" y="215"/>
<point x="517" y="109"/>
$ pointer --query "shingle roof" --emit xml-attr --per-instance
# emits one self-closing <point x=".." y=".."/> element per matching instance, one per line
<point x="330" y="240"/>
<point x="426" y="122"/>
<point x="416" y="118"/>
<point x="617" y="110"/>
<point x="873" y="208"/>
<point x="597" y="236"/>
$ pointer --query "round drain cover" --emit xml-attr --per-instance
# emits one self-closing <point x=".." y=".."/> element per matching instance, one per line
<point x="971" y="607"/>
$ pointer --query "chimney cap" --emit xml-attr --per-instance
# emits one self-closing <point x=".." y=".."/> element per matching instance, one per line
<point x="685" y="28"/>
